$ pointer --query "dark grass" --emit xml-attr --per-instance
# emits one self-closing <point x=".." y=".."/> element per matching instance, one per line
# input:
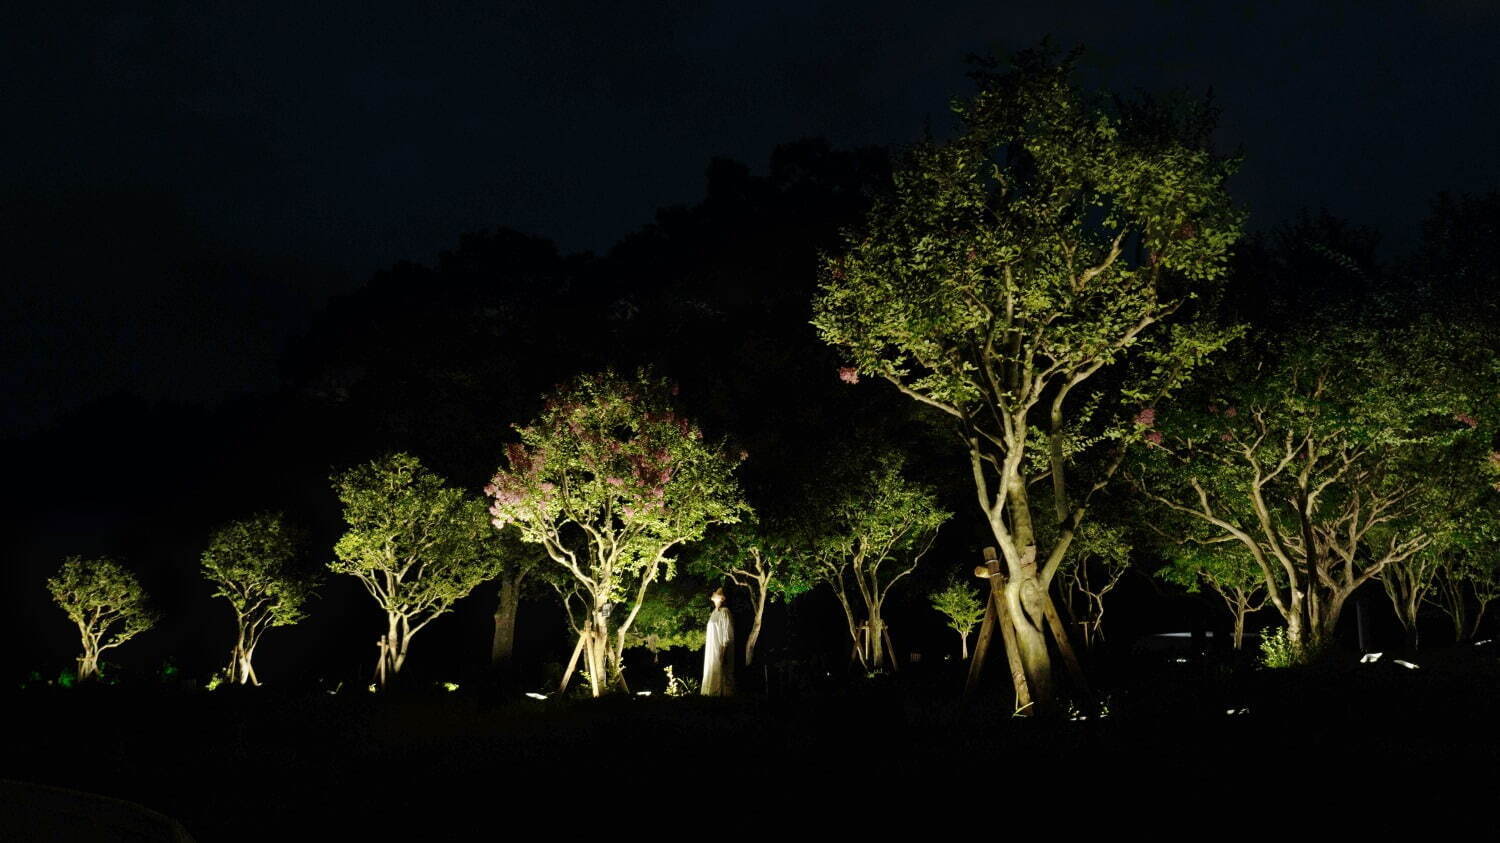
<point x="276" y="763"/>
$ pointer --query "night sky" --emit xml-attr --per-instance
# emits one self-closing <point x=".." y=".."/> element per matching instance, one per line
<point x="184" y="185"/>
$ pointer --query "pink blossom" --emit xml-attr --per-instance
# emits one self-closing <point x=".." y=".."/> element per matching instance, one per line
<point x="1154" y="437"/>
<point x="1146" y="417"/>
<point x="1466" y="419"/>
<point x="508" y="497"/>
<point x="1226" y="437"/>
<point x="489" y="489"/>
<point x="849" y="374"/>
<point x="628" y="510"/>
<point x="1231" y="413"/>
<point x="1213" y="408"/>
<point x="744" y="455"/>
<point x="614" y="481"/>
<point x="548" y="487"/>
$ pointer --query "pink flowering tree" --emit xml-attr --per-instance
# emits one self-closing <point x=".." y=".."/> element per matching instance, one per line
<point x="1321" y="459"/>
<point x="609" y="480"/>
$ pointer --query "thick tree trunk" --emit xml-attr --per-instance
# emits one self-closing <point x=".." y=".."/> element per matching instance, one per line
<point x="1239" y="629"/>
<point x="89" y="662"/>
<point x="502" y="647"/>
<point x="963" y="646"/>
<point x="1031" y="640"/>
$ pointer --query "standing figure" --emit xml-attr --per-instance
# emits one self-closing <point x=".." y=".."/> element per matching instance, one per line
<point x="718" y="650"/>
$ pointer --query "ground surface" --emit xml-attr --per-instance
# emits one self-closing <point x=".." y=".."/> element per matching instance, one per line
<point x="268" y="764"/>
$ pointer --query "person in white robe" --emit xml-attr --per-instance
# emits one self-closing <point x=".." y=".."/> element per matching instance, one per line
<point x="718" y="650"/>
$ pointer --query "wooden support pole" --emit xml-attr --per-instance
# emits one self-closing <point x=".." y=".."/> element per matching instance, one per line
<point x="573" y="662"/>
<point x="1060" y="633"/>
<point x="997" y="613"/>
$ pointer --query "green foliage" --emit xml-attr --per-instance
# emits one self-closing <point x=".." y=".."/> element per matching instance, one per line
<point x="253" y="564"/>
<point x="877" y="526"/>
<point x="960" y="604"/>
<point x="1279" y="650"/>
<point x="1007" y="247"/>
<point x="680" y="686"/>
<point x="673" y="614"/>
<point x="1342" y="438"/>
<point x="101" y="597"/>
<point x="757" y="551"/>
<point x="413" y="541"/>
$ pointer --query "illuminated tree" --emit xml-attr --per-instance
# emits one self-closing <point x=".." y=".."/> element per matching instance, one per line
<point x="769" y="562"/>
<point x="101" y="597"/>
<point x="1050" y="241"/>
<point x="873" y="534"/>
<point x="253" y="564"/>
<point x="1313" y="456"/>
<point x="961" y="605"/>
<point x="414" y="543"/>
<point x="609" y="480"/>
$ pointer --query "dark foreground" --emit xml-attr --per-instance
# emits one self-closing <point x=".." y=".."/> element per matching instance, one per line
<point x="269" y="765"/>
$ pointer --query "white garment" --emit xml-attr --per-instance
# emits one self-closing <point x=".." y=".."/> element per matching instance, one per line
<point x="718" y="654"/>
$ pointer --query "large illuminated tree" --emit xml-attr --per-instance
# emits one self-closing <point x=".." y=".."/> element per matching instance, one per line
<point x="873" y="533"/>
<point x="253" y="564"/>
<point x="770" y="561"/>
<point x="609" y="481"/>
<point x="1315" y="458"/>
<point x="1050" y="241"/>
<point x="101" y="597"/>
<point x="414" y="543"/>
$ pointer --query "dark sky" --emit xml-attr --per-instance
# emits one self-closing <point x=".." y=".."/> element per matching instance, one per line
<point x="182" y="188"/>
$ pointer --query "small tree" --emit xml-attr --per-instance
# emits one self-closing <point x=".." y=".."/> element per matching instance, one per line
<point x="768" y="561"/>
<point x="413" y="543"/>
<point x="1093" y="566"/>
<point x="961" y="605"/>
<point x="609" y="480"/>
<point x="100" y="596"/>
<point x="873" y="535"/>
<point x="252" y="563"/>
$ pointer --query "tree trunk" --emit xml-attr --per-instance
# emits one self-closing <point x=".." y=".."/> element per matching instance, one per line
<point x="1031" y="642"/>
<point x="88" y="663"/>
<point x="963" y="646"/>
<point x="760" y="611"/>
<point x="877" y="641"/>
<point x="503" y="646"/>
<point x="1239" y="628"/>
